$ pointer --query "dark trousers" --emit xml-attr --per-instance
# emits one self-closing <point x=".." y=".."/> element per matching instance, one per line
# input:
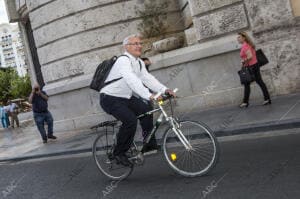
<point x="40" y="119"/>
<point x="259" y="81"/>
<point x="127" y="110"/>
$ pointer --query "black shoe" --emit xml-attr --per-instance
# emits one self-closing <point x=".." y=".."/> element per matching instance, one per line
<point x="45" y="141"/>
<point x="266" y="102"/>
<point x="52" y="137"/>
<point x="150" y="149"/>
<point x="123" y="160"/>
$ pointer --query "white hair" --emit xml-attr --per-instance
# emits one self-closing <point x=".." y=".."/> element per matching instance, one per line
<point x="126" y="40"/>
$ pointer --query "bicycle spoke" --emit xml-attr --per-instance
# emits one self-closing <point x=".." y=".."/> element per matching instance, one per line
<point x="102" y="150"/>
<point x="198" y="161"/>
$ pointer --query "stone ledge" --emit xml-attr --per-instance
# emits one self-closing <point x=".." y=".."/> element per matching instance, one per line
<point x="267" y="15"/>
<point x="84" y="62"/>
<point x="53" y="9"/>
<point x="84" y="122"/>
<point x="96" y="38"/>
<point x="199" y="51"/>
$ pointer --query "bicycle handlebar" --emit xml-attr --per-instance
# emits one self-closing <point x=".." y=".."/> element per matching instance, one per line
<point x="164" y="96"/>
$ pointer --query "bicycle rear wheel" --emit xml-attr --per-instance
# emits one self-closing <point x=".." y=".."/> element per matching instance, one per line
<point x="102" y="154"/>
<point x="201" y="158"/>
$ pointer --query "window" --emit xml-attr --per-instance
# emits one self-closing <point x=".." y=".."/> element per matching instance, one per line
<point x="296" y="7"/>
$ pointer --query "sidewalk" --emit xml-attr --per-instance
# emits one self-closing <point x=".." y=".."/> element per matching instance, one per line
<point x="284" y="113"/>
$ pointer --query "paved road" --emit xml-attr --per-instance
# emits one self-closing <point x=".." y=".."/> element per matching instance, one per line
<point x="255" y="167"/>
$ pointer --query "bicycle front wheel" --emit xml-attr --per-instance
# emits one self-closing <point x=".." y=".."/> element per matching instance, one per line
<point x="102" y="154"/>
<point x="200" y="158"/>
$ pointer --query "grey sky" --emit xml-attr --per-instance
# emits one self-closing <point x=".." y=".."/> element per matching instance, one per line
<point x="3" y="15"/>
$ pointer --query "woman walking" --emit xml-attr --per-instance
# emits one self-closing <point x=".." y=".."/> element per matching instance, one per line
<point x="248" y="56"/>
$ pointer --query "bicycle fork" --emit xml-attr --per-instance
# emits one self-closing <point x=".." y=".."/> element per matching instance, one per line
<point x="178" y="132"/>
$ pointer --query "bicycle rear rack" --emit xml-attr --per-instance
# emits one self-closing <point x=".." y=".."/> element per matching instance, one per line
<point x="105" y="124"/>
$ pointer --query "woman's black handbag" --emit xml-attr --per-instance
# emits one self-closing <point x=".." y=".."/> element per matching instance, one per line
<point x="246" y="75"/>
<point x="261" y="58"/>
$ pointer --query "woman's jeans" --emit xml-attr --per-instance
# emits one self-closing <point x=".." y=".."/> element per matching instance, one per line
<point x="256" y="72"/>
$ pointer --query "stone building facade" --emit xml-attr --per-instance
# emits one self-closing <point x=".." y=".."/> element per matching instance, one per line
<point x="66" y="39"/>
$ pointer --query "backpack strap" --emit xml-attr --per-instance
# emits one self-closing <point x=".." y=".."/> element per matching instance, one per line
<point x="129" y="58"/>
<point x="140" y="65"/>
<point x="111" y="81"/>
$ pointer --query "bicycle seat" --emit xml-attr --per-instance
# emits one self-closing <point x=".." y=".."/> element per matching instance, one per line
<point x="105" y="124"/>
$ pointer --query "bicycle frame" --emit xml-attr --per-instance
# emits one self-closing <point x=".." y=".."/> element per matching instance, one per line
<point x="172" y="122"/>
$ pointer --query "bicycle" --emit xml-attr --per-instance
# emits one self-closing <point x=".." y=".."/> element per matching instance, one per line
<point x="190" y="148"/>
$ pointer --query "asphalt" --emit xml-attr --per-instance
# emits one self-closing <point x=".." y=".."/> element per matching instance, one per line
<point x="250" y="168"/>
<point x="283" y="113"/>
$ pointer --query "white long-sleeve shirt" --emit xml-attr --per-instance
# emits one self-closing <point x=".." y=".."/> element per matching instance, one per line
<point x="133" y="78"/>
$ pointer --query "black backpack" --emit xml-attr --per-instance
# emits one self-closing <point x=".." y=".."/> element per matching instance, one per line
<point x="102" y="72"/>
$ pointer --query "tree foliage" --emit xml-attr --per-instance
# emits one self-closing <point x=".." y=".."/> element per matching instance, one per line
<point x="13" y="86"/>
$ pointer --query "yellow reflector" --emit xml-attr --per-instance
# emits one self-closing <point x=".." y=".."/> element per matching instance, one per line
<point x="173" y="156"/>
<point x="161" y="102"/>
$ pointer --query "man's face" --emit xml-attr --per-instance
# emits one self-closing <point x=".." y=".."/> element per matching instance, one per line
<point x="134" y="47"/>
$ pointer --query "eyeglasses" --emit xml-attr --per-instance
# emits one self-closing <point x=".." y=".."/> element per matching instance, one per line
<point x="136" y="44"/>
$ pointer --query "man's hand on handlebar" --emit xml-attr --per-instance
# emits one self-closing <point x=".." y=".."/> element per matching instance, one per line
<point x="170" y="92"/>
<point x="152" y="97"/>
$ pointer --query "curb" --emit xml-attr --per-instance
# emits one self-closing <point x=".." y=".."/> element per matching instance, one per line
<point x="260" y="127"/>
<point x="29" y="157"/>
<point x="239" y="130"/>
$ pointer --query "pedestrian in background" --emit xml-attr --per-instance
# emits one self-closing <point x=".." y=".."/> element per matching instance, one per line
<point x="147" y="62"/>
<point x="6" y="115"/>
<point x="13" y="113"/>
<point x="3" y="117"/>
<point x="248" y="56"/>
<point x="39" y="100"/>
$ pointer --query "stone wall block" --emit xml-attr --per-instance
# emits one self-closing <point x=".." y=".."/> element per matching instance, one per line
<point x="33" y="4"/>
<point x="221" y="22"/>
<point x="90" y="19"/>
<point x="85" y="63"/>
<point x="110" y="8"/>
<point x="191" y="36"/>
<point x="284" y="66"/>
<point x="269" y="14"/>
<point x="202" y="6"/>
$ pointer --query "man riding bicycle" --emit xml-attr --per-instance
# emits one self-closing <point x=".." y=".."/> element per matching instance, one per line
<point x="118" y="100"/>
